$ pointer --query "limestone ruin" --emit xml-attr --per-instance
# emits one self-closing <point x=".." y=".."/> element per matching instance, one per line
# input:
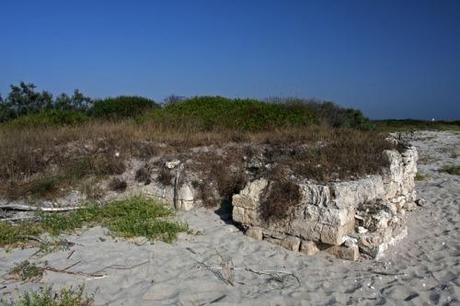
<point x="345" y="218"/>
<point x="349" y="219"/>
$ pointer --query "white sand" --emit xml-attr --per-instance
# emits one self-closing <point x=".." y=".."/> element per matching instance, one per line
<point x="427" y="262"/>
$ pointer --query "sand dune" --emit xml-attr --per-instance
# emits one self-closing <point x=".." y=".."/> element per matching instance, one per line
<point x="422" y="269"/>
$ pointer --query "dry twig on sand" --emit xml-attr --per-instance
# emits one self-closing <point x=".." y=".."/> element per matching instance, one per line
<point x="120" y="267"/>
<point x="89" y="275"/>
<point x="279" y="276"/>
<point x="225" y="270"/>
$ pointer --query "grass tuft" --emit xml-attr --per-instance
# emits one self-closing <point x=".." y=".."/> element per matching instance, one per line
<point x="420" y="177"/>
<point x="453" y="169"/>
<point x="26" y="271"/>
<point x="282" y="197"/>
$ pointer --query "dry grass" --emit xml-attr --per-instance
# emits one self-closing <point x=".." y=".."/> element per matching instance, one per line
<point x="46" y="163"/>
<point x="281" y="199"/>
<point x="117" y="184"/>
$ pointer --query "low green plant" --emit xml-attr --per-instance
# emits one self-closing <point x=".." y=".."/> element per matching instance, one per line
<point x="26" y="271"/>
<point x="48" y="297"/>
<point x="452" y="169"/>
<point x="10" y="234"/>
<point x="135" y="216"/>
<point x="420" y="177"/>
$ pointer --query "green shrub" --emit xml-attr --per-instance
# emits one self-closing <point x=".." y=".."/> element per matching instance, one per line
<point x="337" y="116"/>
<point x="53" y="117"/>
<point x="121" y="107"/>
<point x="23" y="99"/>
<point x="5" y="112"/>
<point x="209" y="113"/>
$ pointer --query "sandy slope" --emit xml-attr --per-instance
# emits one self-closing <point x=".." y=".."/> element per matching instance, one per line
<point x="423" y="269"/>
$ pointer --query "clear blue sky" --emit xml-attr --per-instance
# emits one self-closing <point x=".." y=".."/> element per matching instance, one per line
<point x="389" y="58"/>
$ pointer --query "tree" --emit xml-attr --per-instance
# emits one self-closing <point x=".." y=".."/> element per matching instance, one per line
<point x="80" y="101"/>
<point x="173" y="99"/>
<point x="24" y="99"/>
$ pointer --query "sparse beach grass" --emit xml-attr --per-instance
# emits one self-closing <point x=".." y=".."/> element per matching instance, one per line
<point x="49" y="297"/>
<point x="26" y="271"/>
<point x="135" y="216"/>
<point x="407" y="125"/>
<point x="420" y="176"/>
<point x="451" y="169"/>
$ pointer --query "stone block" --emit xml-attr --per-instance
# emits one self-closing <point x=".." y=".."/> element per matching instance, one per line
<point x="255" y="233"/>
<point x="291" y="243"/>
<point x="309" y="248"/>
<point x="345" y="252"/>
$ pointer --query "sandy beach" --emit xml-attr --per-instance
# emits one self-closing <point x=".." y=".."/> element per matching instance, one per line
<point x="217" y="264"/>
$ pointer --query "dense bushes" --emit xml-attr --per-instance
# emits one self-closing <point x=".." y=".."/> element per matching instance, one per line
<point x="208" y="113"/>
<point x="337" y="116"/>
<point x="26" y="106"/>
<point x="121" y="107"/>
<point x="53" y="117"/>
<point x="30" y="106"/>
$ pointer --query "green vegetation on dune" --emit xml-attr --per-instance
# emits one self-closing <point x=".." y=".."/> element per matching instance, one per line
<point x="54" y="117"/>
<point x="135" y="216"/>
<point x="121" y="107"/>
<point x="217" y="113"/>
<point x="209" y="113"/>
<point x="24" y="106"/>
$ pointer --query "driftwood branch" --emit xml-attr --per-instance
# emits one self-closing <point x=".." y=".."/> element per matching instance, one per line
<point x="385" y="273"/>
<point x="34" y="208"/>
<point x="19" y="219"/>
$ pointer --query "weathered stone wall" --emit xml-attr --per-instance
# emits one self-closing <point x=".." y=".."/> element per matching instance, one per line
<point x="344" y="218"/>
<point x="347" y="218"/>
